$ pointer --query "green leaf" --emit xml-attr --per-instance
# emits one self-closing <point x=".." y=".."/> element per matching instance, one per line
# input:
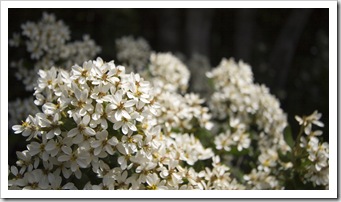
<point x="205" y="137"/>
<point x="288" y="137"/>
<point x="68" y="124"/>
<point x="234" y="151"/>
<point x="284" y="157"/>
<point x="210" y="83"/>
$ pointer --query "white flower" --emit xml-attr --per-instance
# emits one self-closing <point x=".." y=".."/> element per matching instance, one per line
<point x="61" y="168"/>
<point x="139" y="90"/>
<point x="120" y="106"/>
<point x="133" y="141"/>
<point x="105" y="73"/>
<point x="126" y="154"/>
<point x="51" y="126"/>
<point x="170" y="70"/>
<point x="154" y="182"/>
<point x="102" y="143"/>
<point x="26" y="161"/>
<point x="52" y="109"/>
<point x="321" y="177"/>
<point x="99" y="92"/>
<point x="121" y="179"/>
<point x="103" y="170"/>
<point x="196" y="180"/>
<point x="81" y="130"/>
<point x="82" y="73"/>
<point x="320" y="156"/>
<point x="47" y="79"/>
<point x="268" y="159"/>
<point x="35" y="148"/>
<point x="190" y="148"/>
<point x="170" y="174"/>
<point x="107" y="184"/>
<point x="27" y="128"/>
<point x="307" y="121"/>
<point x="127" y="125"/>
<point x="243" y="141"/>
<point x="260" y="180"/>
<point x="18" y="179"/>
<point x="56" y="183"/>
<point x="100" y="116"/>
<point x="224" y="141"/>
<point x="77" y="158"/>
<point x="81" y="101"/>
<point x="34" y="180"/>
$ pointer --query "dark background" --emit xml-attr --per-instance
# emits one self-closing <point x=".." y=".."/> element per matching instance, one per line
<point x="287" y="48"/>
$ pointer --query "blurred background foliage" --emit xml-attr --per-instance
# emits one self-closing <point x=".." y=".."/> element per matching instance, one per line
<point x="287" y="48"/>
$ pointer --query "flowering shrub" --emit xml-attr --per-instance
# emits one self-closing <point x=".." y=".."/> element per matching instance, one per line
<point x="98" y="125"/>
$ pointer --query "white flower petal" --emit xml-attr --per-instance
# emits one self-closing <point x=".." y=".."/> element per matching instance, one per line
<point x="121" y="160"/>
<point x="130" y="103"/>
<point x="86" y="120"/>
<point x="124" y="129"/>
<point x="89" y="131"/>
<point x="121" y="149"/>
<point x="67" y="150"/>
<point x="97" y="151"/>
<point x="113" y="141"/>
<point x="63" y="158"/>
<point x="118" y="115"/>
<point x="96" y="116"/>
<point x="73" y="132"/>
<point x="78" y="139"/>
<point x="50" y="134"/>
<point x="125" y="114"/>
<point x="96" y="144"/>
<point x="131" y="126"/>
<point x="118" y="125"/>
<point x="109" y="149"/>
<point x="14" y="170"/>
<point x="82" y="111"/>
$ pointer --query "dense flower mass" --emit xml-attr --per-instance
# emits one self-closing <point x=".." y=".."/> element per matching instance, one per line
<point x="255" y="121"/>
<point x="169" y="72"/>
<point x="98" y="116"/>
<point x="98" y="125"/>
<point x="317" y="164"/>
<point x="48" y="44"/>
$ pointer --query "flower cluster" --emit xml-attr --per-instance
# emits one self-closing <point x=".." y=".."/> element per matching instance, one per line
<point x="97" y="116"/>
<point x="168" y="72"/>
<point x="244" y="103"/>
<point x="48" y="44"/>
<point x="251" y="114"/>
<point x="317" y="163"/>
<point x="182" y="113"/>
<point x="98" y="125"/>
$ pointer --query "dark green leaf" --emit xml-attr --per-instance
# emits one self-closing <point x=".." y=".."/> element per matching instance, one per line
<point x="234" y="151"/>
<point x="284" y="157"/>
<point x="288" y="137"/>
<point x="205" y="137"/>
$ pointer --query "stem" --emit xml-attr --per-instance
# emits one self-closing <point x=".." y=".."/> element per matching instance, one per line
<point x="297" y="143"/>
<point x="296" y="156"/>
<point x="239" y="162"/>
